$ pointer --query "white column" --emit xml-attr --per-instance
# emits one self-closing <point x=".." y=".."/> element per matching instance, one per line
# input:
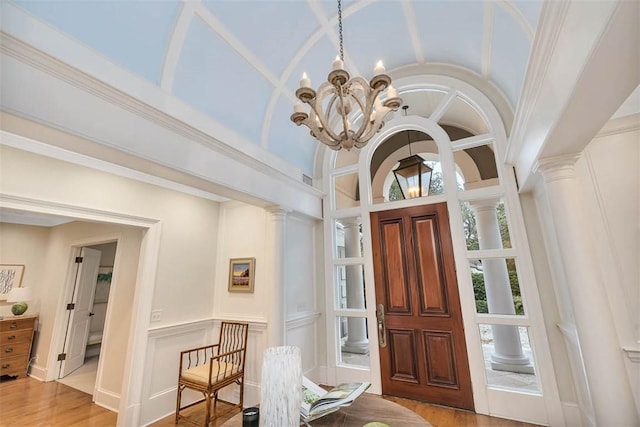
<point x="357" y="341"/>
<point x="507" y="349"/>
<point x="608" y="382"/>
<point x="276" y="256"/>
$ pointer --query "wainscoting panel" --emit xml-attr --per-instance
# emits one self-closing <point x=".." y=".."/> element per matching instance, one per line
<point x="302" y="332"/>
<point x="162" y="364"/>
<point x="577" y="369"/>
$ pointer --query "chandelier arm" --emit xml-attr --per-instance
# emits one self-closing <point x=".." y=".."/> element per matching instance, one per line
<point x="376" y="124"/>
<point x="319" y="133"/>
<point x="316" y="106"/>
<point x="371" y="97"/>
<point x="345" y="122"/>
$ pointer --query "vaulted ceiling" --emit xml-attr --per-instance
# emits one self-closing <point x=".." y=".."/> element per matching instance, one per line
<point x="238" y="63"/>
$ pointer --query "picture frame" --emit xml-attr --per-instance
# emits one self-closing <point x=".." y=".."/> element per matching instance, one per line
<point x="241" y="274"/>
<point x="10" y="277"/>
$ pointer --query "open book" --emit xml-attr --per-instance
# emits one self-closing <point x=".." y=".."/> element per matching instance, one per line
<point x="317" y="401"/>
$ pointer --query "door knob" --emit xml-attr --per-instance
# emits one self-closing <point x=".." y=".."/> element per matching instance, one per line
<point x="382" y="329"/>
<point x="91" y="314"/>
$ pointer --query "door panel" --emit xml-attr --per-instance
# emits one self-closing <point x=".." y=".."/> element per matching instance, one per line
<point x="398" y="295"/>
<point x="425" y="357"/>
<point x="80" y="318"/>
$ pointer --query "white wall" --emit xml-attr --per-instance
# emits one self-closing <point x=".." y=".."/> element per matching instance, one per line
<point x="302" y="313"/>
<point x="609" y="179"/>
<point x="27" y="245"/>
<point x="609" y="173"/>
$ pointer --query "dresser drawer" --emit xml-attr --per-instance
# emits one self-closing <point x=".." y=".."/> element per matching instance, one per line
<point x="20" y="335"/>
<point x="13" y="366"/>
<point x="17" y="349"/>
<point x="9" y="325"/>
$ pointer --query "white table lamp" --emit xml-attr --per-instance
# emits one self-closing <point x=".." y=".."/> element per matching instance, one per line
<point x="19" y="296"/>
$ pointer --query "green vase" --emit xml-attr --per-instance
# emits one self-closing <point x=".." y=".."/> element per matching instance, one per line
<point x="19" y="308"/>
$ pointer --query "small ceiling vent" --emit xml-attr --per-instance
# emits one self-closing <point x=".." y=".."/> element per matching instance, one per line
<point x="307" y="179"/>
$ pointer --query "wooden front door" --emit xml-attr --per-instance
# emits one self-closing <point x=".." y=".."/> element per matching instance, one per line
<point x="423" y="354"/>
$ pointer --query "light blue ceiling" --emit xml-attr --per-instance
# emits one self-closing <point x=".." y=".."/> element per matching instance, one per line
<point x="132" y="34"/>
<point x="239" y="62"/>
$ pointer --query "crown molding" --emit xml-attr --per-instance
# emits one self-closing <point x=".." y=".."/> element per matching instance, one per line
<point x="552" y="17"/>
<point x="242" y="151"/>
<point x="622" y="125"/>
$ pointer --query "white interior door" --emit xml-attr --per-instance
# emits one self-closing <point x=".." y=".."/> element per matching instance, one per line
<point x="80" y="316"/>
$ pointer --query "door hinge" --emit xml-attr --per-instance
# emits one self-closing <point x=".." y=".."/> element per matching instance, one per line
<point x="71" y="306"/>
<point x="62" y="356"/>
<point x="79" y="260"/>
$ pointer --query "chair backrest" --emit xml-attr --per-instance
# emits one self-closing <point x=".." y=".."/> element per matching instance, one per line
<point x="233" y="337"/>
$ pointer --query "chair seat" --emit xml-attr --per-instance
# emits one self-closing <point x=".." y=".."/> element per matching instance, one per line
<point x="200" y="374"/>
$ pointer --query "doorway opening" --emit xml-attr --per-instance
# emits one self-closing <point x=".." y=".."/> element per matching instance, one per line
<point x="86" y="315"/>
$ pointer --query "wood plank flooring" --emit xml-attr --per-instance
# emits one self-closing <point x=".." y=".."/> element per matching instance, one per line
<point x="29" y="402"/>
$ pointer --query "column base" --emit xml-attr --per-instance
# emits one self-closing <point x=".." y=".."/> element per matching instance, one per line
<point x="358" y="347"/>
<point x="520" y="364"/>
<point x="507" y="367"/>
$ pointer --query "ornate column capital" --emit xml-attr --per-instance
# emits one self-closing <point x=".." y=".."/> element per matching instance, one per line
<point x="277" y="211"/>
<point x="557" y="168"/>
<point x="484" y="204"/>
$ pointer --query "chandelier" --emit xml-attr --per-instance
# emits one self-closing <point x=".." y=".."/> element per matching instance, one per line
<point x="330" y="107"/>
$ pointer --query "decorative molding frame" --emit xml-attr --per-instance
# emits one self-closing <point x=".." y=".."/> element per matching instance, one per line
<point x="633" y="352"/>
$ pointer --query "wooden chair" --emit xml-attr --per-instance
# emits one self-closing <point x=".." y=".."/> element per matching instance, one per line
<point x="210" y="368"/>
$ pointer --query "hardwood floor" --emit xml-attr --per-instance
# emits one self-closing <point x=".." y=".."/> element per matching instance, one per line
<point x="29" y="402"/>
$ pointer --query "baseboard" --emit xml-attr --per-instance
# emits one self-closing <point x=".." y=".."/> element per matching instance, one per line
<point x="107" y="399"/>
<point x="38" y="372"/>
<point x="574" y="416"/>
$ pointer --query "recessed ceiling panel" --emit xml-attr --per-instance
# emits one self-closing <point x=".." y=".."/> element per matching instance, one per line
<point x="214" y="79"/>
<point x="133" y="34"/>
<point x="290" y="142"/>
<point x="272" y="30"/>
<point x="509" y="55"/>
<point x="451" y="32"/>
<point x="316" y="63"/>
<point x="462" y="115"/>
<point x="374" y="33"/>
<point x="530" y="9"/>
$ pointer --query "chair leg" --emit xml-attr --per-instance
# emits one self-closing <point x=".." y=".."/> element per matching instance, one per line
<point x="178" y="399"/>
<point x="207" y="417"/>
<point x="241" y="392"/>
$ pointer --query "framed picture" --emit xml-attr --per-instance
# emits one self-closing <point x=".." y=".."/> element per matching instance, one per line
<point x="10" y="276"/>
<point x="241" y="274"/>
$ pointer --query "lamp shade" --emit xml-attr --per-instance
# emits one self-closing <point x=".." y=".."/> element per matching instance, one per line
<point x="19" y="294"/>
<point x="413" y="176"/>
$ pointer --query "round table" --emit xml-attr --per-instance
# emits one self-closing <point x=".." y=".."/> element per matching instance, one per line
<point x="365" y="409"/>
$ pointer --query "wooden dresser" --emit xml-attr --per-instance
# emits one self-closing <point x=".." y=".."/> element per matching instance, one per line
<point x="16" y="337"/>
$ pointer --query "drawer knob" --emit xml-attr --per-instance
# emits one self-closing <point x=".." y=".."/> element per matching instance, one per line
<point x="14" y="325"/>
<point x="6" y="365"/>
<point x="8" y="350"/>
<point x="12" y="337"/>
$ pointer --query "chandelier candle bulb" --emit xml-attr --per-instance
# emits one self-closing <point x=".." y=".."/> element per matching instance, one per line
<point x="298" y="107"/>
<point x="379" y="69"/>
<point x="391" y="92"/>
<point x="305" y="81"/>
<point x="338" y="64"/>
